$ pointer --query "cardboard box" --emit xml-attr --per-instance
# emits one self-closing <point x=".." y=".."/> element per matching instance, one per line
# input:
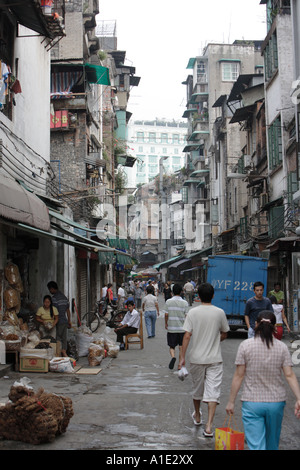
<point x="34" y="364"/>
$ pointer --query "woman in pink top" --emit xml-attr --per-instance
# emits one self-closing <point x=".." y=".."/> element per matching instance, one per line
<point x="259" y="363"/>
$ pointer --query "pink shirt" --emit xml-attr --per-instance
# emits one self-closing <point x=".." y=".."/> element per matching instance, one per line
<point x="263" y="381"/>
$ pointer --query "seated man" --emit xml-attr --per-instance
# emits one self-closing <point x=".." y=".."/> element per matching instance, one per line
<point x="129" y="325"/>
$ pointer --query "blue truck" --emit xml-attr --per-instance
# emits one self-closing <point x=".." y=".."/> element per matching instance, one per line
<point x="232" y="277"/>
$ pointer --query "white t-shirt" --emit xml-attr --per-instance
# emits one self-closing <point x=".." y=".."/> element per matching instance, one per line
<point x="150" y="302"/>
<point x="206" y="322"/>
<point x="278" y="312"/>
<point x="104" y="291"/>
<point x="121" y="292"/>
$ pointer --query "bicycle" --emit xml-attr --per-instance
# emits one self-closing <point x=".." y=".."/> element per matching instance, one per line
<point x="93" y="319"/>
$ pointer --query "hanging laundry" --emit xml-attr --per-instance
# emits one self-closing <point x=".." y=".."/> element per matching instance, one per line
<point x="5" y="71"/>
<point x="16" y="87"/>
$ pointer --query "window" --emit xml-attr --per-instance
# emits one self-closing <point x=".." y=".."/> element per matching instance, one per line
<point x="140" y="148"/>
<point x="152" y="159"/>
<point x="230" y="71"/>
<point x="175" y="138"/>
<point x="152" y="137"/>
<point x="184" y="194"/>
<point x="176" y="160"/>
<point x="140" y="136"/>
<point x="176" y="168"/>
<point x="152" y="149"/>
<point x="153" y="169"/>
<point x="292" y="185"/>
<point x="164" y="138"/>
<point x="141" y="178"/>
<point x="201" y="73"/>
<point x="275" y="144"/>
<point x="276" y="221"/>
<point x="271" y="57"/>
<point x="244" y="227"/>
<point x="165" y="151"/>
<point x="176" y="151"/>
<point x="140" y="167"/>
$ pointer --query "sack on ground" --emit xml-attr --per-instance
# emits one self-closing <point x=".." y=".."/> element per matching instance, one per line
<point x="60" y="364"/>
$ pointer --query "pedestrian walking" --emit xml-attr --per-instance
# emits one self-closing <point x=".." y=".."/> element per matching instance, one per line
<point x="208" y="326"/>
<point x="109" y="294"/>
<point x="129" y="325"/>
<point x="188" y="290"/>
<point x="176" y="309"/>
<point x="167" y="291"/>
<point x="104" y="292"/>
<point x="151" y="309"/>
<point x="277" y="292"/>
<point x="60" y="301"/>
<point x="255" y="305"/>
<point x="138" y="294"/>
<point x="121" y="297"/>
<point x="280" y="318"/>
<point x="259" y="364"/>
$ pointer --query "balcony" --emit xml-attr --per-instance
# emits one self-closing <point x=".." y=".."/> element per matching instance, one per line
<point x="201" y="125"/>
<point x="199" y="94"/>
<point x="45" y="17"/>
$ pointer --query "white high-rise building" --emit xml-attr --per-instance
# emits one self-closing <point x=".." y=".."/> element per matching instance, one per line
<point x="148" y="141"/>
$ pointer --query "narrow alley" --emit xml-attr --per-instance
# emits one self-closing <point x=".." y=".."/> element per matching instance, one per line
<point x="136" y="403"/>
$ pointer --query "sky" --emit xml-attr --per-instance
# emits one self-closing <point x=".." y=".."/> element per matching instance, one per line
<point x="159" y="37"/>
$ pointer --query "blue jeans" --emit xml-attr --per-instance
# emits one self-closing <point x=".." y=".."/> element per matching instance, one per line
<point x="262" y="424"/>
<point x="150" y="320"/>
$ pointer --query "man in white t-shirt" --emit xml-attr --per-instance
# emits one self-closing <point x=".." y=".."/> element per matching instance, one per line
<point x="121" y="297"/>
<point x="208" y="326"/>
<point x="129" y="325"/>
<point x="188" y="289"/>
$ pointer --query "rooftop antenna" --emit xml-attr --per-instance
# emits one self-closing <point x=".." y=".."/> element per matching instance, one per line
<point x="229" y="32"/>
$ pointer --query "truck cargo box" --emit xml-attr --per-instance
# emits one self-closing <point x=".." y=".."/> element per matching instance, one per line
<point x="232" y="277"/>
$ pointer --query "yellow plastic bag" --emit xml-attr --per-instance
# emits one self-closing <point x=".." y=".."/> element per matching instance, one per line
<point x="227" y="438"/>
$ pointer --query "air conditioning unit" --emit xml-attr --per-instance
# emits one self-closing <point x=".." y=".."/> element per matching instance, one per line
<point x="264" y="199"/>
<point x="247" y="162"/>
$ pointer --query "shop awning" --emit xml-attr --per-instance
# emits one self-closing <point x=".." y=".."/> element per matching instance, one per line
<point x="179" y="263"/>
<point x="52" y="236"/>
<point x="190" y="269"/>
<point x="167" y="262"/>
<point x="285" y="244"/>
<point x="205" y="251"/>
<point x="19" y="205"/>
<point x="70" y="222"/>
<point x="97" y="74"/>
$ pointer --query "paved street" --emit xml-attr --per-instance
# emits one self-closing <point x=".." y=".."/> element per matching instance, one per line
<point x="137" y="403"/>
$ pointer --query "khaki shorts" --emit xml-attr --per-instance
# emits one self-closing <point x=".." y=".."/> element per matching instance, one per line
<point x="207" y="379"/>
